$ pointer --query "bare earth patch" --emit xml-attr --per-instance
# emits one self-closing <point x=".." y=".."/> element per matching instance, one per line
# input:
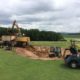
<point x="36" y="52"/>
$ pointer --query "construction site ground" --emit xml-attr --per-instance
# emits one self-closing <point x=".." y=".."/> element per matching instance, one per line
<point x="38" y="52"/>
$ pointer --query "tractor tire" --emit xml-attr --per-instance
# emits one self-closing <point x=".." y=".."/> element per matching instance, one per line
<point x="73" y="64"/>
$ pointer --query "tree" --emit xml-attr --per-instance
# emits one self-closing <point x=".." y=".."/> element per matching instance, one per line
<point x="34" y="34"/>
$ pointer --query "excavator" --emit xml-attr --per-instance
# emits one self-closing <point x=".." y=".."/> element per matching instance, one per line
<point x="15" y="38"/>
<point x="21" y="39"/>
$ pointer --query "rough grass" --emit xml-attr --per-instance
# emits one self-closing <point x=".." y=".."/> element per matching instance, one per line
<point x="14" y="67"/>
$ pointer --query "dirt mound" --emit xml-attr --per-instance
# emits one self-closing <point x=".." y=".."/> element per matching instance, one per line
<point x="30" y="54"/>
<point x="36" y="52"/>
<point x="24" y="52"/>
<point x="40" y="51"/>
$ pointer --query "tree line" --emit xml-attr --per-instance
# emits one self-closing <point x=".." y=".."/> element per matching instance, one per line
<point x="35" y="34"/>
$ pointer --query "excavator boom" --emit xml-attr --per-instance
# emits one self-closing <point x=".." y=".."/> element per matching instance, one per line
<point x="17" y="27"/>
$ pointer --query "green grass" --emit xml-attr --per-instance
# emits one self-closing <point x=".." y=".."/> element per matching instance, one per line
<point x="63" y="44"/>
<point x="14" y="67"/>
<point x="71" y="36"/>
<point x="56" y="43"/>
<point x="51" y="43"/>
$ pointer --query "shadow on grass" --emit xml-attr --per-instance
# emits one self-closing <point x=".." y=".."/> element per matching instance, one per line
<point x="64" y="66"/>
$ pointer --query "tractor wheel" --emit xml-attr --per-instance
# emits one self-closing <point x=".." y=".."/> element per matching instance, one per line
<point x="24" y="44"/>
<point x="73" y="64"/>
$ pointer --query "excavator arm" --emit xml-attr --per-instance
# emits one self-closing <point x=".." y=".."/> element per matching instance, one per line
<point x="17" y="27"/>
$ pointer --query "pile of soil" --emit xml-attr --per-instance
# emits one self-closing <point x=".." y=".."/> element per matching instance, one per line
<point x="36" y="52"/>
<point x="44" y="51"/>
<point x="25" y="52"/>
<point x="40" y="51"/>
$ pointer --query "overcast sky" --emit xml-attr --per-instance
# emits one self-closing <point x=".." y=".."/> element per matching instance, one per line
<point x="51" y="15"/>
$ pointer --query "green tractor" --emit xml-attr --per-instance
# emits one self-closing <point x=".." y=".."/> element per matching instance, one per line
<point x="73" y="60"/>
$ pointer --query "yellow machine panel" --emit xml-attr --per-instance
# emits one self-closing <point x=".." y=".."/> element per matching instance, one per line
<point x="23" y="39"/>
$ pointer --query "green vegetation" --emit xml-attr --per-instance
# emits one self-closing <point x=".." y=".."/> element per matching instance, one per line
<point x="14" y="67"/>
<point x="72" y="35"/>
<point x="51" y="43"/>
<point x="69" y="37"/>
<point x="37" y="35"/>
<point x="63" y="44"/>
<point x="34" y="34"/>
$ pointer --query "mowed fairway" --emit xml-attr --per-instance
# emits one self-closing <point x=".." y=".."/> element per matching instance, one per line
<point x="15" y="67"/>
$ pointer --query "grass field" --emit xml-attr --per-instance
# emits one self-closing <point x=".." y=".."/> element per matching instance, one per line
<point x="51" y="43"/>
<point x="63" y="44"/>
<point x="56" y="43"/>
<point x="71" y="35"/>
<point x="14" y="67"/>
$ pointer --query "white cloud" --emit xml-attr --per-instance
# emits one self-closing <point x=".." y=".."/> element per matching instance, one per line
<point x="54" y="15"/>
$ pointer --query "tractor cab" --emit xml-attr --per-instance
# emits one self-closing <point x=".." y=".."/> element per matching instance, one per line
<point x="72" y="60"/>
